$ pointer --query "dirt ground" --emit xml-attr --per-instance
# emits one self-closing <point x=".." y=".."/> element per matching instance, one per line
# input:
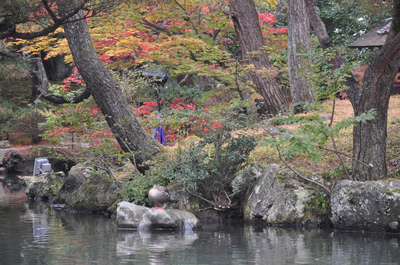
<point x="329" y="161"/>
<point x="344" y="109"/>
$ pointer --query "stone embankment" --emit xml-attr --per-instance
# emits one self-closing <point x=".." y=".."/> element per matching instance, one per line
<point x="366" y="206"/>
<point x="273" y="195"/>
<point x="279" y="198"/>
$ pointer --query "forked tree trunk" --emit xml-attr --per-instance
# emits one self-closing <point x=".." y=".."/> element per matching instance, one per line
<point x="104" y="89"/>
<point x="249" y="34"/>
<point x="369" y="139"/>
<point x="299" y="52"/>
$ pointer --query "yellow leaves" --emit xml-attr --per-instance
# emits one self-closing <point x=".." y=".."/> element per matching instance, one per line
<point x="178" y="52"/>
<point x="16" y="42"/>
<point x="269" y="4"/>
<point x="183" y="44"/>
<point x="52" y="45"/>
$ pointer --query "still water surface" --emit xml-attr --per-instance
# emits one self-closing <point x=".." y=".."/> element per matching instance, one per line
<point x="33" y="233"/>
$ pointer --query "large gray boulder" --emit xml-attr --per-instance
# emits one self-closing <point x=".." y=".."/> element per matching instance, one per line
<point x="368" y="206"/>
<point x="135" y="217"/>
<point x="73" y="182"/>
<point x="86" y="190"/>
<point x="280" y="198"/>
<point x="242" y="182"/>
<point x="96" y="195"/>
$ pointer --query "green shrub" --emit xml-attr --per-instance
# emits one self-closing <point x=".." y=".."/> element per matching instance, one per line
<point x="206" y="169"/>
<point x="319" y="203"/>
<point x="291" y="119"/>
<point x="28" y="123"/>
<point x="22" y="121"/>
<point x="337" y="174"/>
<point x="136" y="190"/>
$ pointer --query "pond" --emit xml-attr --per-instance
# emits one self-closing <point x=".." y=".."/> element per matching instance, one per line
<point x="34" y="233"/>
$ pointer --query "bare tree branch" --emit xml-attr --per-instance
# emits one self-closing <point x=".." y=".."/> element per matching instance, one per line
<point x="297" y="173"/>
<point x="334" y="142"/>
<point x="342" y="153"/>
<point x="15" y="18"/>
<point x="156" y="26"/>
<point x="187" y="18"/>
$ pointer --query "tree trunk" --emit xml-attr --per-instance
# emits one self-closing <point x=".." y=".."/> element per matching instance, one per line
<point x="104" y="89"/>
<point x="248" y="32"/>
<point x="369" y="139"/>
<point x="299" y="52"/>
<point x="326" y="42"/>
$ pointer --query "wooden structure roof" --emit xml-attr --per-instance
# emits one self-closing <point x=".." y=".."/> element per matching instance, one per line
<point x="374" y="38"/>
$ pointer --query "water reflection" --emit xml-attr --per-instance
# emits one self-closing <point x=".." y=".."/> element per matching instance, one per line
<point x="156" y="246"/>
<point x="13" y="200"/>
<point x="375" y="248"/>
<point x="11" y="206"/>
<point x="291" y="246"/>
<point x="70" y="238"/>
<point x="33" y="233"/>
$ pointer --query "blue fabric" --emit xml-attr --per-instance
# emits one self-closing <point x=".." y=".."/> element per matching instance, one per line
<point x="159" y="134"/>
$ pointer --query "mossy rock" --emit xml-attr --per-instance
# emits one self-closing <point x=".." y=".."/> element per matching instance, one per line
<point x="97" y="194"/>
<point x="44" y="186"/>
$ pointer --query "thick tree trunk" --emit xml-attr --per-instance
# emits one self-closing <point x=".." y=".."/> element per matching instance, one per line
<point x="299" y="51"/>
<point x="104" y="89"/>
<point x="369" y="139"/>
<point x="248" y="32"/>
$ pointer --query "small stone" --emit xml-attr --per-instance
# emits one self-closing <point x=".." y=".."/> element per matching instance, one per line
<point x="273" y="131"/>
<point x="286" y="131"/>
<point x="325" y="116"/>
<point x="395" y="121"/>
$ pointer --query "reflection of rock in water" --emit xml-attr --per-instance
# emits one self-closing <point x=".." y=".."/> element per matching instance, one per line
<point x="156" y="246"/>
<point x="12" y="197"/>
<point x="290" y="246"/>
<point x="90" y="239"/>
<point x="376" y="248"/>
<point x="12" y="230"/>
